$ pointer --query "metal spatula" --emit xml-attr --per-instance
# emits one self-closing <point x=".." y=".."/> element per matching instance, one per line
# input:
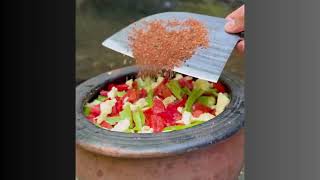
<point x="206" y="63"/>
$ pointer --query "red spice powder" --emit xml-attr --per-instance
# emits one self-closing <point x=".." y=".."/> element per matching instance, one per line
<point x="162" y="45"/>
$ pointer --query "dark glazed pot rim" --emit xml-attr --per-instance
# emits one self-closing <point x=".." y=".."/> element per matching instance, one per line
<point x="129" y="145"/>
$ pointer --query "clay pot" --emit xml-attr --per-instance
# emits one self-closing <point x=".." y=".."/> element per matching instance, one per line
<point x="213" y="150"/>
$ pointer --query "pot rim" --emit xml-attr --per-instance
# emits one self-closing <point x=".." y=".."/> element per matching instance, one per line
<point x="135" y="145"/>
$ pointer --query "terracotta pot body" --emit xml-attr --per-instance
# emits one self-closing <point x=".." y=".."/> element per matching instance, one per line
<point x="222" y="161"/>
<point x="213" y="150"/>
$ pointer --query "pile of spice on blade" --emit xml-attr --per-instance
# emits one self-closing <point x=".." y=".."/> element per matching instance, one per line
<point x="163" y="45"/>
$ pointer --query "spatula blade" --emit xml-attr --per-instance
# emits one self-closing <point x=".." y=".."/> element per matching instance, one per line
<point x="206" y="63"/>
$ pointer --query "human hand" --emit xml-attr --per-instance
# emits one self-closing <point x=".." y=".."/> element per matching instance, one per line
<point x="235" y="24"/>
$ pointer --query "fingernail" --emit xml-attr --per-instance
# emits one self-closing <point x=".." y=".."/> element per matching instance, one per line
<point x="229" y="24"/>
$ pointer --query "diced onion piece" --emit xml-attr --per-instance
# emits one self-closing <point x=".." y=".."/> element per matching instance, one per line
<point x="186" y="117"/>
<point x="146" y="108"/>
<point x="146" y="129"/>
<point x="112" y="93"/>
<point x="125" y="104"/>
<point x="180" y="109"/>
<point x="222" y="102"/>
<point x="105" y="108"/>
<point x="122" y="126"/>
<point x="204" y="117"/>
<point x="125" y="100"/>
<point x="159" y="81"/>
<point x="169" y="100"/>
<point x="179" y="122"/>
<point x="129" y="83"/>
<point x="202" y="84"/>
<point x="141" y="103"/>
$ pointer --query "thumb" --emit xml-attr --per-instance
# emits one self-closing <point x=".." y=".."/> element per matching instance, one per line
<point x="234" y="25"/>
<point x="235" y="20"/>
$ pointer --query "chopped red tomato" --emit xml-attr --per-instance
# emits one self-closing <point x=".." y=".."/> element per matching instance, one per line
<point x="117" y="107"/>
<point x="147" y="114"/>
<point x="142" y="93"/>
<point x="122" y="87"/>
<point x="158" y="106"/>
<point x="220" y="87"/>
<point x="177" y="116"/>
<point x="201" y="107"/>
<point x="109" y="87"/>
<point x="171" y="114"/>
<point x="157" y="123"/>
<point x="133" y="95"/>
<point x="91" y="118"/>
<point x="165" y="80"/>
<point x="95" y="110"/>
<point x="118" y="98"/>
<point x="124" y="97"/>
<point x="170" y="117"/>
<point x="177" y="104"/>
<point x="214" y="112"/>
<point x="135" y="85"/>
<point x="155" y="116"/>
<point x="165" y="116"/>
<point x="198" y="109"/>
<point x="105" y="125"/>
<point x="162" y="91"/>
<point x="197" y="113"/>
<point x="186" y="83"/>
<point x="104" y="93"/>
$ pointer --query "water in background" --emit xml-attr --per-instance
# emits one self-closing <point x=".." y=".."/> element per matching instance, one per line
<point x="98" y="19"/>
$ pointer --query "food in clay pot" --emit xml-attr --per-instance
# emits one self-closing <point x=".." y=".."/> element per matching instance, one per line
<point x="153" y="105"/>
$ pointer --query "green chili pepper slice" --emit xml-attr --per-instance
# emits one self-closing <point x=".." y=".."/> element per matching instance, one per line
<point x="195" y="94"/>
<point x="175" y="88"/>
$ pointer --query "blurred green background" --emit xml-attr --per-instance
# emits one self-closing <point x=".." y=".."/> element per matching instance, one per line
<point x="98" y="19"/>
